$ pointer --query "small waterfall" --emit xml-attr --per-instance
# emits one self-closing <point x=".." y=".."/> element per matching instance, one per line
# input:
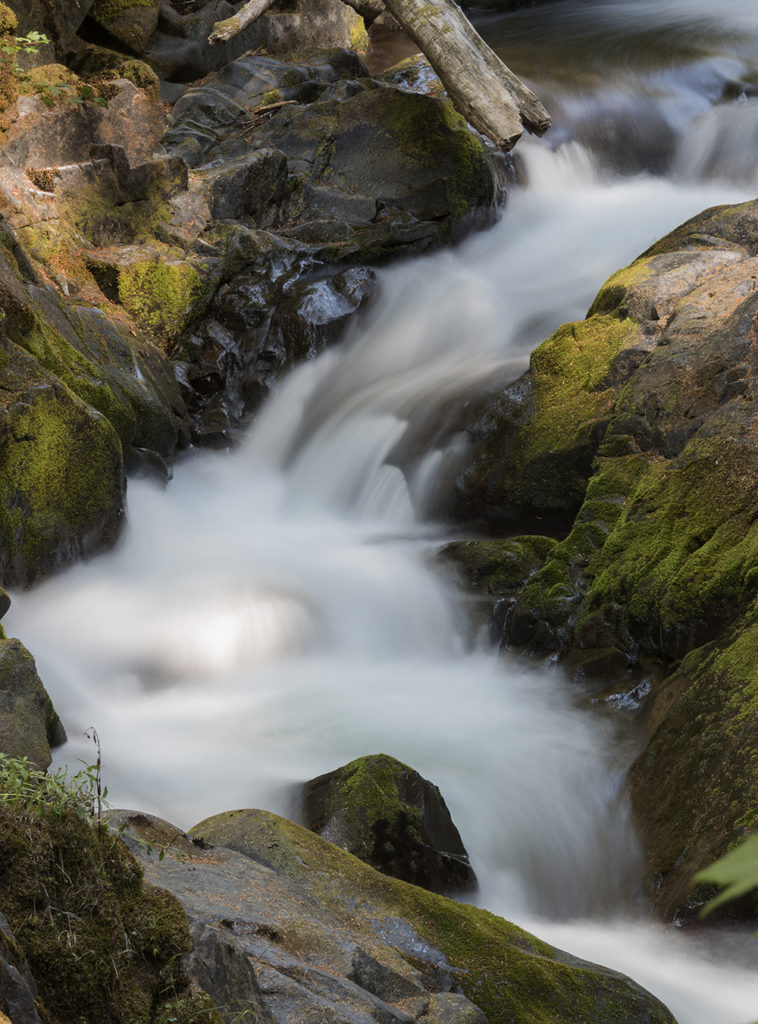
<point x="273" y="613"/>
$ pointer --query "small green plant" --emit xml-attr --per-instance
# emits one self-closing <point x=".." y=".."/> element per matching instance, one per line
<point x="26" y="788"/>
<point x="15" y="45"/>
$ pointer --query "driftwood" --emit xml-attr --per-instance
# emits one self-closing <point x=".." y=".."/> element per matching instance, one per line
<point x="225" y="30"/>
<point x="482" y="88"/>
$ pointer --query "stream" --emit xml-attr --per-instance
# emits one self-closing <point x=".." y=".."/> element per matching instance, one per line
<point x="277" y="610"/>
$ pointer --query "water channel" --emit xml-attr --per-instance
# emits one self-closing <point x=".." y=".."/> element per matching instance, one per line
<point x="277" y="610"/>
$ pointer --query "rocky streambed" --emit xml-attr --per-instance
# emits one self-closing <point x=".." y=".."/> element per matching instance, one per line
<point x="167" y="254"/>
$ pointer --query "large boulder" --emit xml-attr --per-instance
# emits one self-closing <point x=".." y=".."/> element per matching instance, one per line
<point x="295" y="928"/>
<point x="638" y="423"/>
<point x="391" y="817"/>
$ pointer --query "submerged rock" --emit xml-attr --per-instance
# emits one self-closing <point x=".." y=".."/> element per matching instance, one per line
<point x="295" y="928"/>
<point x="639" y="423"/>
<point x="392" y="818"/>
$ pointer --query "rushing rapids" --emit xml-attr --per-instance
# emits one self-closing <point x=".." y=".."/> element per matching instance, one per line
<point x="274" y="613"/>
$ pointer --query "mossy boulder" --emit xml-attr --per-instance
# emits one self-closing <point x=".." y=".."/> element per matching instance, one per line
<point x="359" y="941"/>
<point x="29" y="725"/>
<point x="100" y="944"/>
<point x="127" y="23"/>
<point x="373" y="171"/>
<point x="61" y="472"/>
<point x="391" y="817"/>
<point x="657" y="578"/>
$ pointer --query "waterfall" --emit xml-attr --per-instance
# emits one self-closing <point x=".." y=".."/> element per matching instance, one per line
<point x="276" y="611"/>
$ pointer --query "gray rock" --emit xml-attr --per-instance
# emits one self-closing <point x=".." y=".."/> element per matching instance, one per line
<point x="297" y="931"/>
<point x="29" y="725"/>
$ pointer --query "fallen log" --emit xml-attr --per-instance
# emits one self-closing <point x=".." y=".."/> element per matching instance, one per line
<point x="483" y="89"/>
<point x="225" y="30"/>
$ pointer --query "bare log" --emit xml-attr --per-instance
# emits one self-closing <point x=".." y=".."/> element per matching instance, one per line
<point x="482" y="88"/>
<point x="225" y="30"/>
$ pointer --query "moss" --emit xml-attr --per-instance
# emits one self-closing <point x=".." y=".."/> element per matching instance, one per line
<point x="8" y="21"/>
<point x="62" y="477"/>
<point x="357" y="28"/>
<point x="508" y="973"/>
<point x="704" y="743"/>
<point x="109" y="10"/>
<point x="430" y="131"/>
<point x="100" y="946"/>
<point x="611" y="296"/>
<point x="500" y="567"/>
<point x="273" y="96"/>
<point x="8" y="72"/>
<point x="162" y="296"/>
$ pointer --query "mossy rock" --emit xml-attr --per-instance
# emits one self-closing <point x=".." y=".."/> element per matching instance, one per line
<point x="509" y="974"/>
<point x="61" y="472"/>
<point x="658" y="574"/>
<point x="387" y="814"/>
<point x="695" y="787"/>
<point x="128" y="23"/>
<point x="29" y="725"/>
<point x="101" y="945"/>
<point x="534" y="444"/>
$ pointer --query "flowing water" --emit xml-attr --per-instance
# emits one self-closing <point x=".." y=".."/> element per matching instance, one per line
<point x="276" y="611"/>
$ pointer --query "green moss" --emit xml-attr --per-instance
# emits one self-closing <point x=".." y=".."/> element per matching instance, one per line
<point x="358" y="35"/>
<point x="109" y="10"/>
<point x="704" y="744"/>
<point x="430" y="131"/>
<point x="61" y="476"/>
<point x="500" y="567"/>
<point x="162" y="296"/>
<point x="273" y="96"/>
<point x="8" y="21"/>
<point x="611" y="296"/>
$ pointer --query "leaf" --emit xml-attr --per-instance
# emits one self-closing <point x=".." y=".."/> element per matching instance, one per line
<point x="736" y="872"/>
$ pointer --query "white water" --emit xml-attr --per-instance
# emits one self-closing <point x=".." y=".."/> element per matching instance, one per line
<point x="273" y="614"/>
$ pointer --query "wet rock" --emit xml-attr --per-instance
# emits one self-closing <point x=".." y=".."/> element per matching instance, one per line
<point x="393" y="819"/>
<point x="29" y="725"/>
<point x="307" y="931"/>
<point x="259" y="325"/>
<point x="251" y="186"/>
<point x="61" y="470"/>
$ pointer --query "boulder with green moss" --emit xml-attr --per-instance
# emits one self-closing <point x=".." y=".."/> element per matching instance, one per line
<point x="391" y="817"/>
<point x="640" y="421"/>
<point x="129" y="24"/>
<point x="305" y="931"/>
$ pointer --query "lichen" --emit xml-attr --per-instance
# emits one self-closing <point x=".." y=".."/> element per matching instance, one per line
<point x="106" y="11"/>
